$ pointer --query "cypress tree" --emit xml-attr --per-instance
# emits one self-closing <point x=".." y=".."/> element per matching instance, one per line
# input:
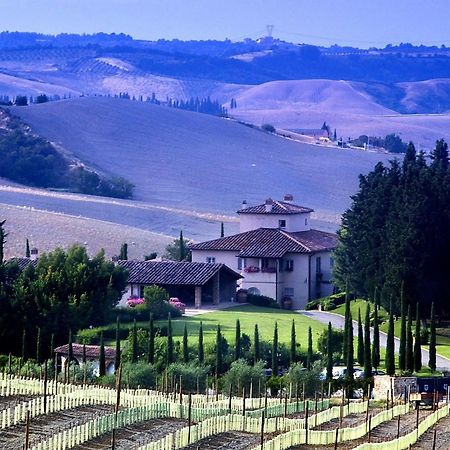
<point x="151" y="340"/>
<point x="350" y="350"/>
<point x="169" y="349"/>
<point x="292" y="353"/>
<point x="237" y="348"/>
<point x="27" y="249"/>
<point x="367" y="355"/>
<point x="256" y="349"/>
<point x="84" y="354"/>
<point x="376" y="340"/>
<point x="417" y="347"/>
<point x="432" y="360"/>
<point x="329" y="353"/>
<point x="123" y="252"/>
<point x="218" y="351"/>
<point x="38" y="346"/>
<point x="117" y="358"/>
<point x="275" y="351"/>
<point x="346" y="316"/>
<point x="360" y="340"/>
<point x="52" y="345"/>
<point x="201" y="350"/>
<point x="402" y="349"/>
<point x="222" y="230"/>
<point x="70" y="351"/>
<point x="182" y="247"/>
<point x="390" y="348"/>
<point x="24" y="345"/>
<point x="409" y="343"/>
<point x="134" y="344"/>
<point x="309" y="355"/>
<point x="185" y="345"/>
<point x="102" y="359"/>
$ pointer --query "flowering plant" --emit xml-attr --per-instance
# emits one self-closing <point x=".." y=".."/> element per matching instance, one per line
<point x="176" y="303"/>
<point x="251" y="269"/>
<point x="135" y="301"/>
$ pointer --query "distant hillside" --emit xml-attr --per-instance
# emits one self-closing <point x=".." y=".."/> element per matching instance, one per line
<point x="195" y="161"/>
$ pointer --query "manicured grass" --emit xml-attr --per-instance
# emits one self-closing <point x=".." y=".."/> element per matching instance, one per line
<point x="357" y="304"/>
<point x="248" y="316"/>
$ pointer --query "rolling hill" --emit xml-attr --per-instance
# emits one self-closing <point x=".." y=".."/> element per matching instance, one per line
<point x="196" y="162"/>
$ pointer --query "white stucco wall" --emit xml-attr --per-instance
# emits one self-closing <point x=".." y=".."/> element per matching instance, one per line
<point x="294" y="222"/>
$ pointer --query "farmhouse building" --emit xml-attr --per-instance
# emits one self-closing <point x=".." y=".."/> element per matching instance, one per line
<point x="277" y="252"/>
<point x="90" y="352"/>
<point x="193" y="283"/>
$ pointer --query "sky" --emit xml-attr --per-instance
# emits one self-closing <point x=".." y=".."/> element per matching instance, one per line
<point x="360" y="23"/>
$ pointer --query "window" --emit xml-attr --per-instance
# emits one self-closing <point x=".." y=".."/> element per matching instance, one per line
<point x="318" y="265"/>
<point x="210" y="259"/>
<point x="288" y="292"/>
<point x="331" y="262"/>
<point x="289" y="265"/>
<point x="282" y="223"/>
<point x="264" y="263"/>
<point x="306" y="222"/>
<point x="241" y="263"/>
<point x="253" y="291"/>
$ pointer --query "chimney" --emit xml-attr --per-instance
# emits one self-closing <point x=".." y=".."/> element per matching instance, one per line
<point x="34" y="254"/>
<point x="244" y="204"/>
<point x="288" y="198"/>
<point x="268" y="205"/>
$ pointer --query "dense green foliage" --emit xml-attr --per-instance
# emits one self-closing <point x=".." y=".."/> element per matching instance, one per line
<point x="392" y="143"/>
<point x="262" y="300"/>
<point x="29" y="159"/>
<point x="432" y="360"/>
<point x="66" y="290"/>
<point x="202" y="105"/>
<point x="397" y="232"/>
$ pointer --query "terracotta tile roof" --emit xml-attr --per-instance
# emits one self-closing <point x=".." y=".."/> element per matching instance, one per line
<point x="173" y="273"/>
<point x="21" y="262"/>
<point x="92" y="351"/>
<point x="277" y="207"/>
<point x="271" y="243"/>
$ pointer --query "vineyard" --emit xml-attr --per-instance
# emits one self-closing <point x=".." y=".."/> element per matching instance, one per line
<point x="47" y="415"/>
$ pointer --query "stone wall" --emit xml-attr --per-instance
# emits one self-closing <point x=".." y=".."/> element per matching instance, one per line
<point x="384" y="384"/>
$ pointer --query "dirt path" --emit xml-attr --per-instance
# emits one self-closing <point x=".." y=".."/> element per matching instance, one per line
<point x="135" y="435"/>
<point x="352" y="420"/>
<point x="13" y="400"/>
<point x="384" y="432"/>
<point x="442" y="437"/>
<point x="45" y="426"/>
<point x="226" y="441"/>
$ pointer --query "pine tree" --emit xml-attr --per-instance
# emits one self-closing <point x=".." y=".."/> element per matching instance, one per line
<point x="360" y="340"/>
<point x="409" y="343"/>
<point x="219" y="355"/>
<point x="38" y="346"/>
<point x="350" y="350"/>
<point x="52" y="345"/>
<point x="237" y="348"/>
<point x="376" y="340"/>
<point x="367" y="355"/>
<point x="329" y="353"/>
<point x="390" y="348"/>
<point x="256" y="349"/>
<point x="151" y="340"/>
<point x="309" y="355"/>
<point x="27" y="249"/>
<point x="117" y="358"/>
<point x="201" y="350"/>
<point x="169" y="349"/>
<point x="402" y="349"/>
<point x="123" y="252"/>
<point x="222" y="230"/>
<point x="417" y="347"/>
<point x="432" y="350"/>
<point x="185" y="345"/>
<point x="101" y="358"/>
<point x="134" y="344"/>
<point x="275" y="351"/>
<point x="293" y="349"/>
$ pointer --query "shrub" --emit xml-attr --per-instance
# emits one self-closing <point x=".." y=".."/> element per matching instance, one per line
<point x="310" y="379"/>
<point x="262" y="300"/>
<point x="268" y="127"/>
<point x="193" y="376"/>
<point x="336" y="341"/>
<point x="157" y="302"/>
<point x="139" y="375"/>
<point x="242" y="376"/>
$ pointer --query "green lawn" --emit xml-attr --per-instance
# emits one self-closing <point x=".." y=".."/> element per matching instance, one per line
<point x="248" y="316"/>
<point x="357" y="304"/>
